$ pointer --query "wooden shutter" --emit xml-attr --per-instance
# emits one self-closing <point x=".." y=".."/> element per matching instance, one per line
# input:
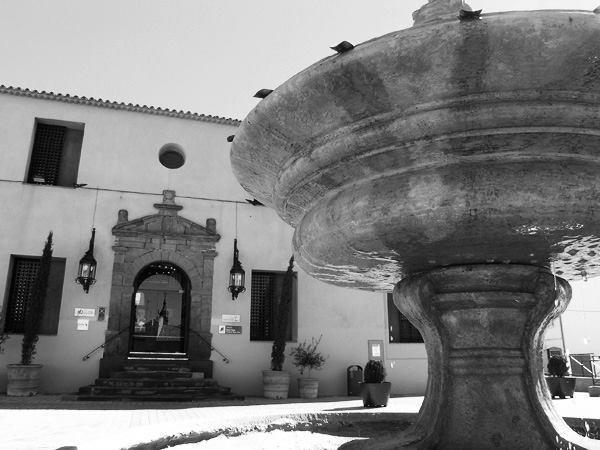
<point x="24" y="271"/>
<point x="400" y="329"/>
<point x="53" y="297"/>
<point x="46" y="154"/>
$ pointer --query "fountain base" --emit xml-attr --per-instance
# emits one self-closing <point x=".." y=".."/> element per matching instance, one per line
<point x="483" y="328"/>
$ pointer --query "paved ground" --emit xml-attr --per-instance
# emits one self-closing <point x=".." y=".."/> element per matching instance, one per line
<point x="49" y="422"/>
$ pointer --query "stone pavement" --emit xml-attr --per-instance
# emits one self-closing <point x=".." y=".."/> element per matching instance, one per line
<point x="52" y="422"/>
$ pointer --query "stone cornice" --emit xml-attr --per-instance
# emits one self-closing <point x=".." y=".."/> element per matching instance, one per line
<point x="89" y="101"/>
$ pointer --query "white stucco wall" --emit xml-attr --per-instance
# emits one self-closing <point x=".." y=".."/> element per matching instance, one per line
<point x="119" y="157"/>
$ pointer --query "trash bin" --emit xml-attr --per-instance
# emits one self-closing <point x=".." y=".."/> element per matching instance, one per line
<point x="354" y="375"/>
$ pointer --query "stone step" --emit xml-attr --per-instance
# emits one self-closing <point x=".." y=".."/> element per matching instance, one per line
<point x="154" y="382"/>
<point x="152" y="366"/>
<point x="161" y="374"/>
<point x="153" y="391"/>
<point x="161" y="398"/>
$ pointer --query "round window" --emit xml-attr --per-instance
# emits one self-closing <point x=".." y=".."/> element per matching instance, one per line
<point x="171" y="156"/>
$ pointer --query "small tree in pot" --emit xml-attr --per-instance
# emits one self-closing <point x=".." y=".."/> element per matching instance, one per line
<point x="374" y="390"/>
<point x="24" y="378"/>
<point x="276" y="382"/>
<point x="306" y="357"/>
<point x="559" y="384"/>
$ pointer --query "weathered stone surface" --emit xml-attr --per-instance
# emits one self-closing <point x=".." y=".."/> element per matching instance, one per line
<point x="450" y="143"/>
<point x="483" y="327"/>
<point x="462" y="157"/>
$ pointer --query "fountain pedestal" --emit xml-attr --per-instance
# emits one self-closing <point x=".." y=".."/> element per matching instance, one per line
<point x="483" y="328"/>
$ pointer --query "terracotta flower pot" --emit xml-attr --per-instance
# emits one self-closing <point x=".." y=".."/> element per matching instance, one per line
<point x="561" y="386"/>
<point x="276" y="383"/>
<point x="308" y="387"/>
<point x="23" y="379"/>
<point x="375" y="394"/>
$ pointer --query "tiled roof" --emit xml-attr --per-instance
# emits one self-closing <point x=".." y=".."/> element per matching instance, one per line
<point x="10" y="90"/>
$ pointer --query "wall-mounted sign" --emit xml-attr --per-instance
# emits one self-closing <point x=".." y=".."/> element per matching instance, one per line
<point x="83" y="324"/>
<point x="230" y="318"/>
<point x="230" y="329"/>
<point x="376" y="350"/>
<point x="85" y="312"/>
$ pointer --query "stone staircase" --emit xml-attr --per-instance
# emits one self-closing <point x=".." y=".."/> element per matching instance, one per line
<point x="156" y="380"/>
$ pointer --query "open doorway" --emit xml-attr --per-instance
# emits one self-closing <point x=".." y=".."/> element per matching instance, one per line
<point x="160" y="310"/>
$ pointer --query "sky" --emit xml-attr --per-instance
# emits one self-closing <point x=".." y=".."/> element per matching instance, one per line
<point x="204" y="56"/>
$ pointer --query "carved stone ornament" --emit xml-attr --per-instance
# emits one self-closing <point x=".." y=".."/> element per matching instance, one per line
<point x="163" y="236"/>
<point x="436" y="10"/>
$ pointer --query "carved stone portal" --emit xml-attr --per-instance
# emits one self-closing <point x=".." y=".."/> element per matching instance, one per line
<point x="164" y="236"/>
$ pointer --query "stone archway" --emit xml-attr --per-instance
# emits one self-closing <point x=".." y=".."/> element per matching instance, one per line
<point x="164" y="236"/>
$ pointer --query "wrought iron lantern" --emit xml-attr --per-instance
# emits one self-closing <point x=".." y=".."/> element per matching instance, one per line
<point x="237" y="276"/>
<point x="86" y="275"/>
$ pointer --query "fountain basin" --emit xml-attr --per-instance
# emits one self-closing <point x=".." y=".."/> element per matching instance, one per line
<point x="455" y="142"/>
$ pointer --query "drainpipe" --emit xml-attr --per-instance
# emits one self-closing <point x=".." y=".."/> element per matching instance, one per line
<point x="562" y="335"/>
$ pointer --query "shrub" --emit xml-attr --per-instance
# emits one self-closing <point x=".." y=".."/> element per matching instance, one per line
<point x="306" y="356"/>
<point x="281" y="314"/>
<point x="557" y="366"/>
<point x="374" y="372"/>
<point x="3" y="339"/>
<point x="35" y="307"/>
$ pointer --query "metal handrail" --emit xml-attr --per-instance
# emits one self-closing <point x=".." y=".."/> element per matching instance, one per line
<point x="226" y="360"/>
<point x="86" y="357"/>
<point x="582" y="365"/>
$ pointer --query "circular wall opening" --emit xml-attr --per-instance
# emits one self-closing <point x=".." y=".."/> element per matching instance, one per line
<point x="171" y="156"/>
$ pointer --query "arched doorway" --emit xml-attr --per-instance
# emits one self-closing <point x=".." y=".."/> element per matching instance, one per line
<point x="160" y="307"/>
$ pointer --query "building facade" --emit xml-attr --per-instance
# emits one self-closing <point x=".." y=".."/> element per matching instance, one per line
<point x="157" y="187"/>
<point x="164" y="237"/>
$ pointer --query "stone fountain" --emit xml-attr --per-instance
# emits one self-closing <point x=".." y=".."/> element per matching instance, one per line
<point x="459" y="159"/>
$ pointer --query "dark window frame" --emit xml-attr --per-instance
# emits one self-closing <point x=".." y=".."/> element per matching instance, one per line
<point x="51" y="315"/>
<point x="400" y="330"/>
<point x="261" y="318"/>
<point x="55" y="153"/>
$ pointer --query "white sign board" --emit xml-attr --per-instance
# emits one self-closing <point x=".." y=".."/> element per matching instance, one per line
<point x="230" y="318"/>
<point x="83" y="324"/>
<point x="85" y="312"/>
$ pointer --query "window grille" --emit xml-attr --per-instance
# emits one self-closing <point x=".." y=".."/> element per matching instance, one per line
<point x="261" y="309"/>
<point x="265" y="294"/>
<point x="400" y="329"/>
<point x="22" y="279"/>
<point x="46" y="154"/>
<point x="24" y="272"/>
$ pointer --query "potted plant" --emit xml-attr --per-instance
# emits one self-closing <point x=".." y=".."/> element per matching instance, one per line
<point x="374" y="390"/>
<point x="24" y="378"/>
<point x="276" y="382"/>
<point x="306" y="357"/>
<point x="558" y="384"/>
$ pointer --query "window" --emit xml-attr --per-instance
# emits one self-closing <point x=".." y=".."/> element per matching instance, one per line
<point x="401" y="330"/>
<point x="264" y="294"/>
<point x="55" y="153"/>
<point x="22" y="273"/>
<point x="171" y="156"/>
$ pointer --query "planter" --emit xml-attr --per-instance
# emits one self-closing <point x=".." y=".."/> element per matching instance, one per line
<point x="375" y="394"/>
<point x="276" y="383"/>
<point x="308" y="387"/>
<point x="23" y="380"/>
<point x="561" y="386"/>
